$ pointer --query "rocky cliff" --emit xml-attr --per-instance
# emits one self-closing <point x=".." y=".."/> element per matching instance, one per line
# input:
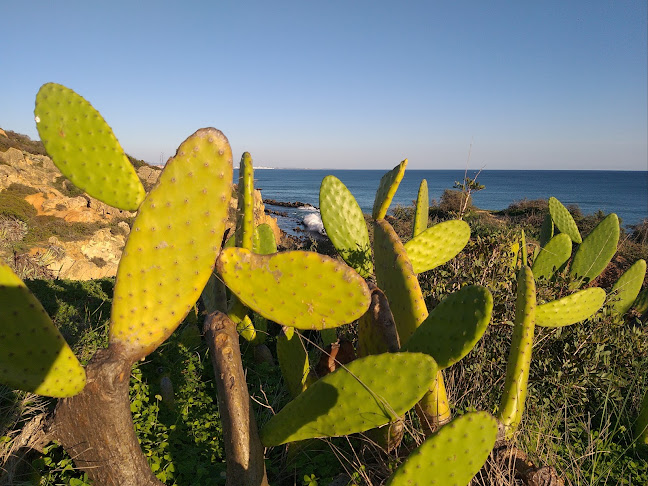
<point x="49" y="228"/>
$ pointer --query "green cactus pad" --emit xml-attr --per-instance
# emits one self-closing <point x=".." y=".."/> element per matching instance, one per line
<point x="171" y="250"/>
<point x="366" y="393"/>
<point x="434" y="408"/>
<point x="422" y="210"/>
<point x="386" y="189"/>
<point x="454" y="326"/>
<point x="84" y="148"/>
<point x="563" y="220"/>
<point x="641" y="425"/>
<point x="437" y="245"/>
<point x="246" y="329"/>
<point x="396" y="278"/>
<point x="345" y="225"/>
<point x="626" y="289"/>
<point x="264" y="240"/>
<point x="552" y="256"/>
<point x="376" y="328"/>
<point x="293" y="361"/>
<point x="297" y="288"/>
<point x="571" y="309"/>
<point x="34" y="357"/>
<point x="641" y="302"/>
<point x="519" y="362"/>
<point x="452" y="456"/>
<point x="329" y="336"/>
<point x="597" y="250"/>
<point x="546" y="231"/>
<point x="245" y="209"/>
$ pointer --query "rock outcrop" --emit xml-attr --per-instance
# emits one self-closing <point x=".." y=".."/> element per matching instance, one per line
<point x="93" y="255"/>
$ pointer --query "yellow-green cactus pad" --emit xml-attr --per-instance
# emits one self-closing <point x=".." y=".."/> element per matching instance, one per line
<point x="34" y="357"/>
<point x="552" y="256"/>
<point x="376" y="328"/>
<point x="454" y="326"/>
<point x="366" y="393"/>
<point x="563" y="220"/>
<point x="422" y="210"/>
<point x="641" y="425"/>
<point x="597" y="250"/>
<point x="293" y="361"/>
<point x="345" y="225"/>
<point x="641" y="302"/>
<point x="519" y="362"/>
<point x="264" y="242"/>
<point x="546" y="231"/>
<point x="434" y="408"/>
<point x="452" y="456"/>
<point x="571" y="309"/>
<point x="300" y="289"/>
<point x="84" y="148"/>
<point x="396" y="278"/>
<point x="387" y="189"/>
<point x="173" y="244"/>
<point x="625" y="290"/>
<point x="245" y="210"/>
<point x="437" y="245"/>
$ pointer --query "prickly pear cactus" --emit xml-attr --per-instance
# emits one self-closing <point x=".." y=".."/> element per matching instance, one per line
<point x="376" y="328"/>
<point x="421" y="214"/>
<point x="84" y="148"/>
<point x="345" y="225"/>
<point x="434" y="409"/>
<point x="546" y="231"/>
<point x="641" y="302"/>
<point x="363" y="394"/>
<point x="454" y="326"/>
<point x="626" y="289"/>
<point x="596" y="250"/>
<point x="563" y="220"/>
<point x="437" y="245"/>
<point x="387" y="189"/>
<point x="452" y="456"/>
<point x="264" y="240"/>
<point x="293" y="361"/>
<point x="34" y="357"/>
<point x="245" y="211"/>
<point x="519" y="362"/>
<point x="552" y="256"/>
<point x="396" y="278"/>
<point x="298" y="289"/>
<point x="571" y="309"/>
<point x="173" y="245"/>
<point x="641" y="425"/>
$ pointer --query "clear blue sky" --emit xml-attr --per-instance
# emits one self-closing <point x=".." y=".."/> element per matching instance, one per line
<point x="347" y="84"/>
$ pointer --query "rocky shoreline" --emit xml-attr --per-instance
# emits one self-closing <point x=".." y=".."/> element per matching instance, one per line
<point x="49" y="228"/>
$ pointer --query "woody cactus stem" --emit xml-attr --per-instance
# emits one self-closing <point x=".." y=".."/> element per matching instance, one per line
<point x="243" y="449"/>
<point x="95" y="427"/>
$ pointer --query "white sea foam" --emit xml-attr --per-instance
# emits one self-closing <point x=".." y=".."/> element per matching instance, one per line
<point x="307" y="207"/>
<point x="313" y="222"/>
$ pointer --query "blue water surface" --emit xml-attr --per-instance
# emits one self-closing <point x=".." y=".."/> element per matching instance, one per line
<point x="621" y="192"/>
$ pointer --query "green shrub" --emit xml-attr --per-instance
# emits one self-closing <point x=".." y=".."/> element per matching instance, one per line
<point x="13" y="205"/>
<point x="453" y="200"/>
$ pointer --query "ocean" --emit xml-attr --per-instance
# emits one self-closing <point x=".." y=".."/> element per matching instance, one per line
<point x="622" y="192"/>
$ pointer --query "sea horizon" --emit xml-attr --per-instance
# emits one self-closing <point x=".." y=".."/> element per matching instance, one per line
<point x="611" y="191"/>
